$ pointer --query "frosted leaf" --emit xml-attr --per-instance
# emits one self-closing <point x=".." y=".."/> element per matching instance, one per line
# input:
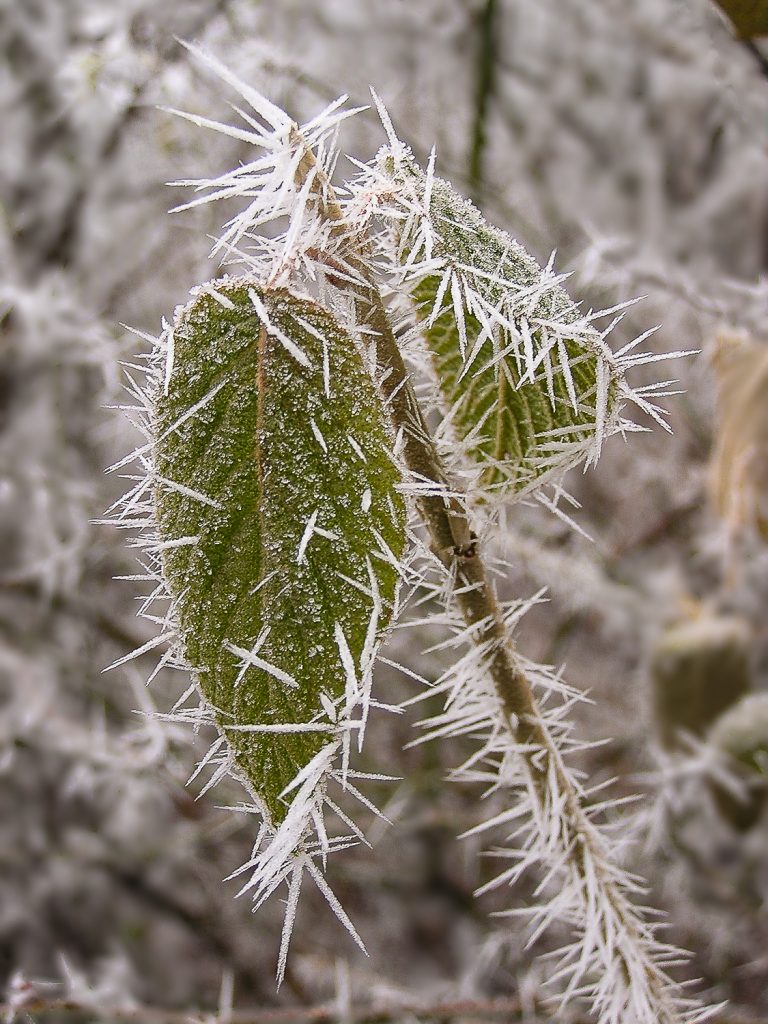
<point x="278" y="521"/>
<point x="529" y="383"/>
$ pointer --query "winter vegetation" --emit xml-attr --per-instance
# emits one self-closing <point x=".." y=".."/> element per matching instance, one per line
<point x="435" y="435"/>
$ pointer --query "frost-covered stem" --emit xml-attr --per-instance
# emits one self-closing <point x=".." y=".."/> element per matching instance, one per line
<point x="450" y="531"/>
<point x="452" y="540"/>
<point x="578" y="844"/>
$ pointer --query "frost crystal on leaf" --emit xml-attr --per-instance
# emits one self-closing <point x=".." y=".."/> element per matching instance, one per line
<point x="262" y="610"/>
<point x="280" y="581"/>
<point x="529" y="384"/>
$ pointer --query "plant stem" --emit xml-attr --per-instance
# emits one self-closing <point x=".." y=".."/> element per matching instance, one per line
<point x="485" y="84"/>
<point x="450" y="532"/>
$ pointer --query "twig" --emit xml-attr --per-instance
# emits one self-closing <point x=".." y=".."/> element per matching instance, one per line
<point x="484" y="90"/>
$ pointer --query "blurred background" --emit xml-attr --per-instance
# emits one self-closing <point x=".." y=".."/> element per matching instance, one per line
<point x="630" y="136"/>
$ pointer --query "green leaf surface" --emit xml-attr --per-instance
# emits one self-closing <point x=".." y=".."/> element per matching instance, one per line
<point x="277" y="505"/>
<point x="531" y="397"/>
<point x="749" y="17"/>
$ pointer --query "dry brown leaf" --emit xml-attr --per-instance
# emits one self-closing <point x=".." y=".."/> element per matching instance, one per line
<point x="739" y="466"/>
<point x="748" y="17"/>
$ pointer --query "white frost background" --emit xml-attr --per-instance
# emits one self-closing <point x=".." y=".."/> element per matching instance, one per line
<point x="632" y="138"/>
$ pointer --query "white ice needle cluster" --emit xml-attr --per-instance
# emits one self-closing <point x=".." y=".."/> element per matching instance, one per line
<point x="615" y="960"/>
<point x="286" y="186"/>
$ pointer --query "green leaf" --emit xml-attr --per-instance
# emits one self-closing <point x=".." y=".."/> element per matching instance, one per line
<point x="277" y="502"/>
<point x="749" y="17"/>
<point x="530" y="384"/>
